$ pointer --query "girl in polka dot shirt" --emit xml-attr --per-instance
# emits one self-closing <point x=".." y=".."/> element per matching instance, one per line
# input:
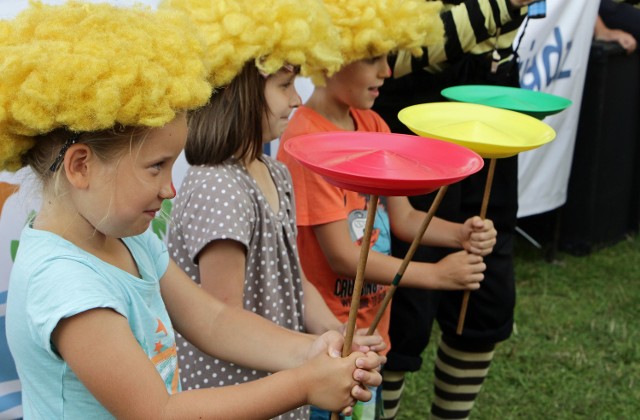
<point x="234" y="228"/>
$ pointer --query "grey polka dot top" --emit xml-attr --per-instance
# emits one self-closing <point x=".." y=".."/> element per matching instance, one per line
<point x="224" y="202"/>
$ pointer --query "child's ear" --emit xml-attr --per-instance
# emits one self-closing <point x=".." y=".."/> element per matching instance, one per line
<point x="77" y="165"/>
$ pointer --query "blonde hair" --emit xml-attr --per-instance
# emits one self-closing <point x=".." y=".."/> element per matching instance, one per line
<point x="86" y="67"/>
<point x="272" y="33"/>
<point x="371" y="28"/>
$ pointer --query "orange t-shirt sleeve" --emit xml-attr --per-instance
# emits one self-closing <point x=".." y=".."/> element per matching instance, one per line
<point x="317" y="201"/>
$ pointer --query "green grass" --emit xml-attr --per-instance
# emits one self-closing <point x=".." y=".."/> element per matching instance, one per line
<point x="575" y="352"/>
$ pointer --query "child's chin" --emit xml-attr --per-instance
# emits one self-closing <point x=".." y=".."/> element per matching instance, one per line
<point x="137" y="230"/>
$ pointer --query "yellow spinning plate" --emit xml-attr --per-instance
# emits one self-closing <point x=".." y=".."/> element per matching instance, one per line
<point x="490" y="132"/>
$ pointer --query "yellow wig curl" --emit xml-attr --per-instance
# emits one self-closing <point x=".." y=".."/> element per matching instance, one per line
<point x="88" y="67"/>
<point x="370" y="28"/>
<point x="271" y="32"/>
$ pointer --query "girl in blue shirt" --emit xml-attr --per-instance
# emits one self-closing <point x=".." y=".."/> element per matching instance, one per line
<point x="92" y="98"/>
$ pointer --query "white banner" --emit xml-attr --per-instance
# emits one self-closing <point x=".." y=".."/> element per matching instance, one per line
<point x="553" y="54"/>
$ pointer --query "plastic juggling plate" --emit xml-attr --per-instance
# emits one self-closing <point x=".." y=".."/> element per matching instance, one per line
<point x="491" y="132"/>
<point x="530" y="102"/>
<point x="383" y="163"/>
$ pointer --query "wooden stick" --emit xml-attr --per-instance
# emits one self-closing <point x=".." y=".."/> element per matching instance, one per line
<point x="359" y="281"/>
<point x="483" y="215"/>
<point x="407" y="258"/>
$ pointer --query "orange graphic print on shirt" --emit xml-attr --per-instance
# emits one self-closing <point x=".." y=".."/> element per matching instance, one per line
<point x="6" y="191"/>
<point x="166" y="356"/>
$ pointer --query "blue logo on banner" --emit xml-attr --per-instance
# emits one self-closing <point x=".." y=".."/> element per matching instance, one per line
<point x="553" y="56"/>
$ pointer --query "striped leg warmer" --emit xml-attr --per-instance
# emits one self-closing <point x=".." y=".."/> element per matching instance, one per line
<point x="459" y="375"/>
<point x="392" y="387"/>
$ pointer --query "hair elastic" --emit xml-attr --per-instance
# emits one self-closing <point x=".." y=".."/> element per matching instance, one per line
<point x="67" y="144"/>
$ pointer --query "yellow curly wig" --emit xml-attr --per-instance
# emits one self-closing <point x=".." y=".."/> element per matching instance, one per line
<point x="271" y="32"/>
<point x="370" y="28"/>
<point x="87" y="67"/>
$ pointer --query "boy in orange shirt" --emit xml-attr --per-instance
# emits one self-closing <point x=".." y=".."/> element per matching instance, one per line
<point x="329" y="218"/>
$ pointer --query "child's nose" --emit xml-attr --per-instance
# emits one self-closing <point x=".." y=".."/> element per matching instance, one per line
<point x="296" y="100"/>
<point x="385" y="71"/>
<point x="169" y="192"/>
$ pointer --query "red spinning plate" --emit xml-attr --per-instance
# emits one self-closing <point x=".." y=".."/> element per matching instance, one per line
<point x="383" y="163"/>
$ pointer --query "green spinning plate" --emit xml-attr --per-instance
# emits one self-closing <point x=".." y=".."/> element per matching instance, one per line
<point x="534" y="103"/>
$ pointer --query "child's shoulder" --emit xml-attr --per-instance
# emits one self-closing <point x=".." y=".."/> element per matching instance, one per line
<point x="203" y="177"/>
<point x="146" y="240"/>
<point x="277" y="169"/>
<point x="304" y="121"/>
<point x="40" y="245"/>
<point x="204" y="173"/>
<point x="272" y="163"/>
<point x="203" y="186"/>
<point x="43" y="255"/>
<point x="369" y="120"/>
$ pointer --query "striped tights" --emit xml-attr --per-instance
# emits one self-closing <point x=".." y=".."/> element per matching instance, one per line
<point x="459" y="374"/>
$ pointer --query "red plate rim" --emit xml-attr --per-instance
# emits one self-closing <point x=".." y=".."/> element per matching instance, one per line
<point x="383" y="163"/>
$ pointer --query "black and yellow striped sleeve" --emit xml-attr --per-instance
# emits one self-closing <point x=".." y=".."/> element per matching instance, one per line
<point x="635" y="3"/>
<point x="470" y="26"/>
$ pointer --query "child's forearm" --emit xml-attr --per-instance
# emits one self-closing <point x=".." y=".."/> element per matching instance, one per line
<point x="440" y="232"/>
<point x="382" y="269"/>
<point x="265" y="345"/>
<point x="443" y="233"/>
<point x="406" y="222"/>
<point x="214" y="328"/>
<point x="457" y="271"/>
<point x="318" y="318"/>
<point x="343" y="255"/>
<point x="261" y="399"/>
<point x="331" y="383"/>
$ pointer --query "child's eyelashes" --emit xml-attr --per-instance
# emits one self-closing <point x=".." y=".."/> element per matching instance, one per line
<point x="157" y="166"/>
<point x="374" y="60"/>
<point x="288" y="82"/>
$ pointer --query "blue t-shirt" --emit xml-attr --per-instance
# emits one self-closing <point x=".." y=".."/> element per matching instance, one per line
<point x="53" y="279"/>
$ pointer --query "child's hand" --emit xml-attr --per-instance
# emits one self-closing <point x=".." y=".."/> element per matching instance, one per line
<point x="478" y="236"/>
<point x="368" y="372"/>
<point x="364" y="343"/>
<point x="459" y="271"/>
<point x="336" y="383"/>
<point x="328" y="343"/>
<point x="331" y="343"/>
